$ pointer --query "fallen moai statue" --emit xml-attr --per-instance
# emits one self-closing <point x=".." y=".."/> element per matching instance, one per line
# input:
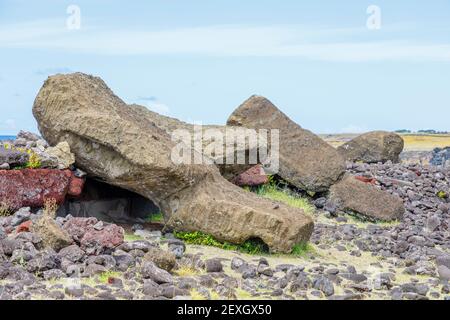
<point x="114" y="143"/>
<point x="309" y="163"/>
<point x="373" y="147"/>
<point x="306" y="161"/>
<point x="223" y="145"/>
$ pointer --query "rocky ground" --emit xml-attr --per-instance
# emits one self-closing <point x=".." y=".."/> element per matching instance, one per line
<point x="348" y="258"/>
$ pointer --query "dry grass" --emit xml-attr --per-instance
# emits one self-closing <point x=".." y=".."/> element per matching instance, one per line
<point x="50" y="207"/>
<point x="4" y="209"/>
<point x="413" y="142"/>
<point x="419" y="142"/>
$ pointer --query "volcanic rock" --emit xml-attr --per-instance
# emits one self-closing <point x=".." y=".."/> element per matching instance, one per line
<point x="353" y="195"/>
<point x="31" y="187"/>
<point x="305" y="160"/>
<point x="373" y="147"/>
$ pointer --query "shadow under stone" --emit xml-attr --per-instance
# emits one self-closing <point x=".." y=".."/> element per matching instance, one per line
<point x="109" y="203"/>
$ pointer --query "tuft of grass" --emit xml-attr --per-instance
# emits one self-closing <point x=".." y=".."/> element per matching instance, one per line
<point x="34" y="162"/>
<point x="50" y="207"/>
<point x="241" y="294"/>
<point x="195" y="295"/>
<point x="270" y="191"/>
<point x="105" y="276"/>
<point x="186" y="271"/>
<point x="5" y="209"/>
<point x="129" y="237"/>
<point x="362" y="222"/>
<point x="251" y="246"/>
<point x="156" y="218"/>
<point x="303" y="249"/>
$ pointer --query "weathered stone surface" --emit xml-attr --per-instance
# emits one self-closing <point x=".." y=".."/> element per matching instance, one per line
<point x="353" y="195"/>
<point x="306" y="161"/>
<point x="373" y="147"/>
<point x="31" y="187"/>
<point x="52" y="235"/>
<point x="162" y="259"/>
<point x="201" y="141"/>
<point x="253" y="177"/>
<point x="62" y="153"/>
<point x="112" y="141"/>
<point x="150" y="271"/>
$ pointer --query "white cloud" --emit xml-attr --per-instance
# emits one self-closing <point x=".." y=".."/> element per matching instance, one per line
<point x="231" y="40"/>
<point x="8" y="124"/>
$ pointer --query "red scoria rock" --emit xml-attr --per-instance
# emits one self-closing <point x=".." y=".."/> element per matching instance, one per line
<point x="24" y="227"/>
<point x="366" y="180"/>
<point x="31" y="187"/>
<point x="255" y="176"/>
<point x="93" y="236"/>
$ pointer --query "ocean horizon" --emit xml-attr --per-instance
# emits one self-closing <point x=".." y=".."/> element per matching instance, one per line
<point x="3" y="138"/>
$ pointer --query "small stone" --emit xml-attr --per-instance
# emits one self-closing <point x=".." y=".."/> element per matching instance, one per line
<point x="325" y="285"/>
<point x="150" y="271"/>
<point x="163" y="259"/>
<point x="237" y="263"/>
<point x="22" y="215"/>
<point x="74" y="291"/>
<point x="213" y="265"/>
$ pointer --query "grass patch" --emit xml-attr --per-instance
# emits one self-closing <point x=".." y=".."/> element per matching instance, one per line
<point x="34" y="162"/>
<point x="195" y="295"/>
<point x="105" y="276"/>
<point x="156" y="218"/>
<point x="5" y="210"/>
<point x="303" y="249"/>
<point x="129" y="237"/>
<point x="186" y="271"/>
<point x="270" y="191"/>
<point x="362" y="222"/>
<point x="251" y="246"/>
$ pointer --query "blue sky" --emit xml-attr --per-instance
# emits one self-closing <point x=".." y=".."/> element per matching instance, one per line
<point x="197" y="60"/>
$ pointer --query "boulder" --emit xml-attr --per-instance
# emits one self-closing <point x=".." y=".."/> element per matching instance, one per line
<point x="94" y="237"/>
<point x="113" y="142"/>
<point x="305" y="160"/>
<point x="52" y="235"/>
<point x="373" y="147"/>
<point x="150" y="271"/>
<point x="253" y="177"/>
<point x="353" y="195"/>
<point x="29" y="187"/>
<point x="162" y="259"/>
<point x="62" y="153"/>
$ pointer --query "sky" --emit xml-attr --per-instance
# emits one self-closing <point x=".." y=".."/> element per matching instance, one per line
<point x="331" y="66"/>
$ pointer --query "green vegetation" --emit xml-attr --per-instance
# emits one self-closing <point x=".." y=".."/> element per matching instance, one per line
<point x="273" y="192"/>
<point x="186" y="271"/>
<point x="442" y="194"/>
<point x="156" y="218"/>
<point x="105" y="276"/>
<point x="129" y="237"/>
<point x="303" y="249"/>
<point x="251" y="246"/>
<point x="34" y="162"/>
